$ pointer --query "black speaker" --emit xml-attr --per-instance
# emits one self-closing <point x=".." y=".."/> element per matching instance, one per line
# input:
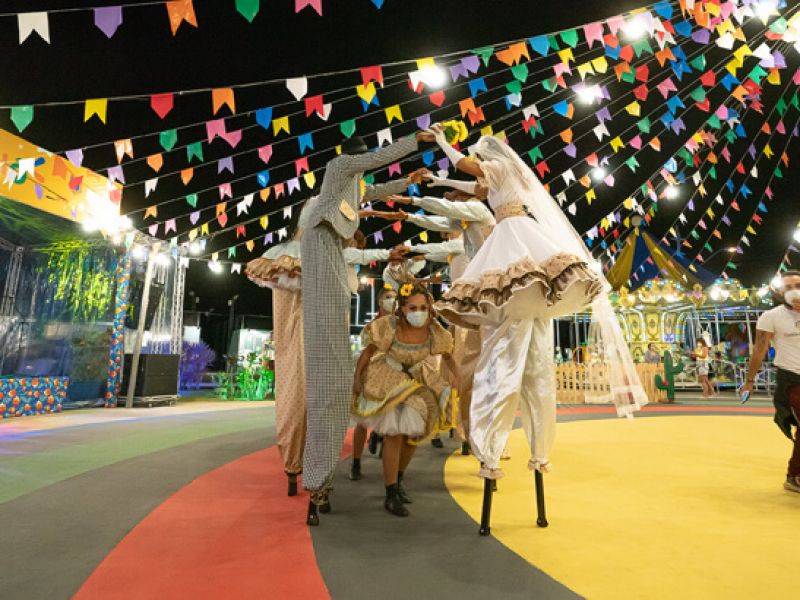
<point x="135" y="303"/>
<point x="157" y="375"/>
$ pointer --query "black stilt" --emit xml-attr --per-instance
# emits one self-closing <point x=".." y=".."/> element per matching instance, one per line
<point x="312" y="519"/>
<point x="486" y="511"/>
<point x="292" y="484"/>
<point x="541" y="517"/>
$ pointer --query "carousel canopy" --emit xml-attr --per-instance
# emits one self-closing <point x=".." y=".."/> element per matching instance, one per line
<point x="644" y="258"/>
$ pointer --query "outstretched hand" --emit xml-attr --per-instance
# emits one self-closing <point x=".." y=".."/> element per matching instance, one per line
<point x="399" y="199"/>
<point x="418" y="176"/>
<point x="426" y="136"/>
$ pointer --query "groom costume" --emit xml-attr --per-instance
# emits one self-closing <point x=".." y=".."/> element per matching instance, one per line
<point x="326" y="306"/>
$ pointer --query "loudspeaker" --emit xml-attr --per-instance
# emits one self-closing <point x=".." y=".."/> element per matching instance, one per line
<point x="157" y="376"/>
<point x="135" y="303"/>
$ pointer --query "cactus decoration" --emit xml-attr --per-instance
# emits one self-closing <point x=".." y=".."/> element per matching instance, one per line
<point x="667" y="383"/>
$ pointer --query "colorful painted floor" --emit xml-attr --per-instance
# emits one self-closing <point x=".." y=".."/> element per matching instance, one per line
<point x="189" y="502"/>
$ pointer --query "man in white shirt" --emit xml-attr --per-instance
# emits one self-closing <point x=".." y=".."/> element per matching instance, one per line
<point x="781" y="326"/>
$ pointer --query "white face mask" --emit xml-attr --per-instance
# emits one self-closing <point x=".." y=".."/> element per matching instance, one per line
<point x="387" y="304"/>
<point x="418" y="318"/>
<point x="792" y="296"/>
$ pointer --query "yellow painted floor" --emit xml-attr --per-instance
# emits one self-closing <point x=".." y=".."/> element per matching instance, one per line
<point x="666" y="507"/>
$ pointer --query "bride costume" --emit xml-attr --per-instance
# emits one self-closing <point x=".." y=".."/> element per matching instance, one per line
<point x="533" y="268"/>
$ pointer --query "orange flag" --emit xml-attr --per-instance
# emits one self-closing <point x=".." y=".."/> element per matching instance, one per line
<point x="222" y="96"/>
<point x="155" y="162"/>
<point x="179" y="11"/>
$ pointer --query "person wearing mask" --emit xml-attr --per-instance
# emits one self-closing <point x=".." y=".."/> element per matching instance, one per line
<point x="781" y="327"/>
<point x="386" y="302"/>
<point x="396" y="387"/>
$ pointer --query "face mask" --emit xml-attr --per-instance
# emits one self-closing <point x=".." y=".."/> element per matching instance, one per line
<point x="418" y="318"/>
<point x="387" y="304"/>
<point x="792" y="296"/>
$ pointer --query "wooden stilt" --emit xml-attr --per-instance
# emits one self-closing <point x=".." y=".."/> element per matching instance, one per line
<point x="312" y="518"/>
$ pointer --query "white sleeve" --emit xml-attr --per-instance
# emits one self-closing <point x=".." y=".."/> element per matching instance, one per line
<point x="416" y="266"/>
<point x="471" y="210"/>
<point x="354" y="256"/>
<point x="432" y="223"/>
<point x="443" y="248"/>
<point x="766" y="322"/>
<point x="456" y="184"/>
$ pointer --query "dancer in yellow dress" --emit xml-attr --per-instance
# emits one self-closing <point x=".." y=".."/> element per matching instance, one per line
<point x="401" y="392"/>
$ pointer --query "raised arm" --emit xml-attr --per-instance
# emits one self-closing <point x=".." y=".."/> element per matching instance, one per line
<point x="471" y="210"/>
<point x="432" y="223"/>
<point x="353" y="164"/>
<point x="470" y="167"/>
<point x="354" y="256"/>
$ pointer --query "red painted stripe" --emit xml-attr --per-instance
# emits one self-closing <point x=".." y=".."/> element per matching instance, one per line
<point x="232" y="533"/>
<point x="588" y="410"/>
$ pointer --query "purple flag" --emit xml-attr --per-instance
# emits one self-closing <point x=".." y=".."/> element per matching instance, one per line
<point x="571" y="151"/>
<point x="471" y="63"/>
<point x="194" y="217"/>
<point x="107" y="19"/>
<point x="424" y="121"/>
<point x="116" y="174"/>
<point x="780" y="60"/>
<point x="75" y="157"/>
<point x="225" y="163"/>
<point x="701" y="36"/>
<point x="443" y="164"/>
<point x="38" y="189"/>
<point x="458" y="70"/>
<point x="603" y="114"/>
<point x="378" y="236"/>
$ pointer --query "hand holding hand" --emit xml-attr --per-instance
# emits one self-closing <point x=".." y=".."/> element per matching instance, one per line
<point x="418" y="176"/>
<point x="426" y="136"/>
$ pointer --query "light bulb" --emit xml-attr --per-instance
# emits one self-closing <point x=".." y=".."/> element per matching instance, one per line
<point x="671" y="192"/>
<point x="589" y="94"/>
<point x="598" y="173"/>
<point x="215" y="267"/>
<point x="433" y="76"/>
<point x="634" y="29"/>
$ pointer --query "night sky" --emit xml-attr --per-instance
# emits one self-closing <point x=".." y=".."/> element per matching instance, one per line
<point x="143" y="58"/>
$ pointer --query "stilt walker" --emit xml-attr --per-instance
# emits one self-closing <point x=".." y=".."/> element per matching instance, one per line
<point x="533" y="268"/>
<point x="280" y="270"/>
<point x="326" y="307"/>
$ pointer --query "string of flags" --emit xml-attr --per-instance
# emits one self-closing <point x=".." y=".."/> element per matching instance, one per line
<point x="108" y="19"/>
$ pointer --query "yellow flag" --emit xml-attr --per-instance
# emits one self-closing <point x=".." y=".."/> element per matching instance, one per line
<point x="311" y="179"/>
<point x="600" y="64"/>
<point x="366" y="92"/>
<point x="280" y="124"/>
<point x="628" y="203"/>
<point x="590" y="195"/>
<point x="774" y="77"/>
<point x="250" y="244"/>
<point x="204" y="229"/>
<point x="768" y="151"/>
<point x="616" y="144"/>
<point x="96" y="106"/>
<point x="566" y="56"/>
<point x="423" y="236"/>
<point x="487" y="130"/>
<point x="634" y="108"/>
<point x="393" y="112"/>
<point x="585" y="69"/>
<point x="750" y="230"/>
<point x="151" y="211"/>
<point x="192" y="234"/>
<point x="264" y="222"/>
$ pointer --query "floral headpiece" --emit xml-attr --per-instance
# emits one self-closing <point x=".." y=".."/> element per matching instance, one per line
<point x="405" y="290"/>
<point x="387" y="286"/>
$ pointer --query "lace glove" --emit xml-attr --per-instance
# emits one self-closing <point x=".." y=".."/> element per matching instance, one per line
<point x="453" y="154"/>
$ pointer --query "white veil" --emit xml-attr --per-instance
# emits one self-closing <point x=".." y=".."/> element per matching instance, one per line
<point x="624" y="388"/>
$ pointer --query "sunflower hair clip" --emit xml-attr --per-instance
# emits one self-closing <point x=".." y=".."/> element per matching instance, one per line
<point x="405" y="290"/>
<point x="387" y="286"/>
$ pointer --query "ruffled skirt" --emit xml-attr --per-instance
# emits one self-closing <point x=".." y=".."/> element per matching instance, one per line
<point x="282" y="272"/>
<point x="394" y="402"/>
<point x="519" y="273"/>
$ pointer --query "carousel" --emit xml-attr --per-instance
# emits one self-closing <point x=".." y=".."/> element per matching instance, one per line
<point x="665" y="300"/>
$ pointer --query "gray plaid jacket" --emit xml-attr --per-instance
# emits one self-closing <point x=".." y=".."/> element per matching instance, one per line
<point x="341" y="185"/>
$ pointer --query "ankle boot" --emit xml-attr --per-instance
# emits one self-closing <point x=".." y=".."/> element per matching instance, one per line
<point x="292" y="484"/>
<point x="393" y="503"/>
<point x="401" y="492"/>
<point x="355" y="470"/>
<point x="465" y="449"/>
<point x="372" y="444"/>
<point x="312" y="520"/>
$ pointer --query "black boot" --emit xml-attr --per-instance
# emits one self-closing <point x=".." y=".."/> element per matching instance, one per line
<point x="292" y="484"/>
<point x="312" y="519"/>
<point x="401" y="492"/>
<point x="326" y="507"/>
<point x="393" y="503"/>
<point x="372" y="444"/>
<point x="465" y="449"/>
<point x="437" y="442"/>
<point x="355" y="470"/>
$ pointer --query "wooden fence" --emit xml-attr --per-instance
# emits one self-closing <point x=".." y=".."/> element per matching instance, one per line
<point x="578" y="383"/>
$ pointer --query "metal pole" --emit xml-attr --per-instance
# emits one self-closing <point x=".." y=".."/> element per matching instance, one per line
<point x="137" y="349"/>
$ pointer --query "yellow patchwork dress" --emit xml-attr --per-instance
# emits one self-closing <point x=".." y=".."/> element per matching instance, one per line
<point x="403" y="391"/>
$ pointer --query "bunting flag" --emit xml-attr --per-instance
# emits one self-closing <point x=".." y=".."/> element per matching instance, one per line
<point x="179" y="11"/>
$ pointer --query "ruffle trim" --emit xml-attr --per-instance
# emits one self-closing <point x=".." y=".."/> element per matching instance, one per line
<point x="266" y="271"/>
<point x="496" y="288"/>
